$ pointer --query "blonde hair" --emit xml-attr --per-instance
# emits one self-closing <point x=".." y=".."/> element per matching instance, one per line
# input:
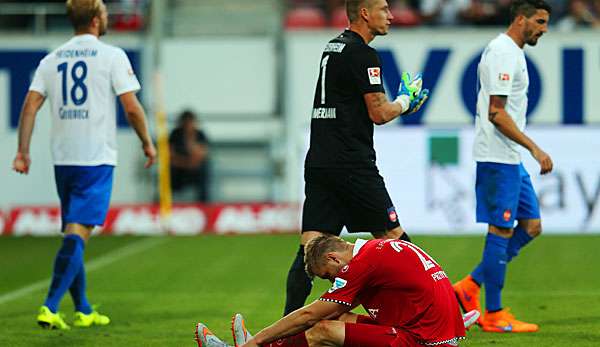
<point x="81" y="12"/>
<point x="317" y="248"/>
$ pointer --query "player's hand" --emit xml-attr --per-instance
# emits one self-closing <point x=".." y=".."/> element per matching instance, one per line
<point x="416" y="104"/>
<point x="21" y="163"/>
<point x="543" y="159"/>
<point x="411" y="86"/>
<point x="150" y="153"/>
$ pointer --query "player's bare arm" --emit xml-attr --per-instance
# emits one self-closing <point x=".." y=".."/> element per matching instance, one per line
<point x="137" y="118"/>
<point x="503" y="122"/>
<point x="31" y="106"/>
<point x="298" y="321"/>
<point x="380" y="109"/>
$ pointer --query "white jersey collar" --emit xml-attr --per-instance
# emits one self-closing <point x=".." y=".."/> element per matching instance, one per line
<point x="358" y="245"/>
<point x="84" y="37"/>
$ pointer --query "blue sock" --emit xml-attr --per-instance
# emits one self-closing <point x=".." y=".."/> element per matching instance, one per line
<point x="519" y="239"/>
<point x="494" y="270"/>
<point x="477" y="274"/>
<point x="67" y="264"/>
<point x="77" y="291"/>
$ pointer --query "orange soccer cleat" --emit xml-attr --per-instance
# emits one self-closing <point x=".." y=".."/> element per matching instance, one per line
<point x="504" y="322"/>
<point x="467" y="294"/>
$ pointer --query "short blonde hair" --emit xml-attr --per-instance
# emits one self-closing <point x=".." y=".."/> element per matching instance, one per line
<point x="81" y="12"/>
<point x="317" y="248"/>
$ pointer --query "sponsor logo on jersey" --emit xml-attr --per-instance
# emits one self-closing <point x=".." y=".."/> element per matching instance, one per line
<point x="506" y="215"/>
<point x="504" y="77"/>
<point x="338" y="283"/>
<point x="392" y="214"/>
<point x="374" y="75"/>
<point x="373" y="312"/>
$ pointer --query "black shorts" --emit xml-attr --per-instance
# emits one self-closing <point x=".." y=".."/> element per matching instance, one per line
<point x="354" y="198"/>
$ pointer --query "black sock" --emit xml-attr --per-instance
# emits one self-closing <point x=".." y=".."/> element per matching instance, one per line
<point x="298" y="284"/>
<point x="405" y="237"/>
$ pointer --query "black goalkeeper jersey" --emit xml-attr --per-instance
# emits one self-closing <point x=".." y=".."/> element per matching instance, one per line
<point x="341" y="132"/>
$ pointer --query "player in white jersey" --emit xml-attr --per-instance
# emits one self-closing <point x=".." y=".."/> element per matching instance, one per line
<point x="503" y="186"/>
<point x="81" y="79"/>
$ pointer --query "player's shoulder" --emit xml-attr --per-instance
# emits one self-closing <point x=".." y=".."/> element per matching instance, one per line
<point x="503" y="45"/>
<point x="349" y="42"/>
<point x="369" y="250"/>
<point x="54" y="54"/>
<point x="110" y="50"/>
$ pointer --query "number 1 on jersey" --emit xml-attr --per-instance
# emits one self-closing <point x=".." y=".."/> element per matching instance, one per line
<point x="323" y="71"/>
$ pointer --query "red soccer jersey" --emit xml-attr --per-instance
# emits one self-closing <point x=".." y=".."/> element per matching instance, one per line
<point x="400" y="286"/>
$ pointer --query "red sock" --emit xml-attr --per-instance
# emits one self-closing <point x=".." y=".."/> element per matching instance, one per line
<point x="298" y="340"/>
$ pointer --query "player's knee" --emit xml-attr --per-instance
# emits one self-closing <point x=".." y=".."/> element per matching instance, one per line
<point x="395" y="233"/>
<point x="320" y="333"/>
<point x="309" y="235"/>
<point x="534" y="229"/>
<point x="502" y="232"/>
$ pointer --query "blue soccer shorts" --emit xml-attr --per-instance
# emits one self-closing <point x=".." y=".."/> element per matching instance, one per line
<point x="504" y="193"/>
<point x="84" y="193"/>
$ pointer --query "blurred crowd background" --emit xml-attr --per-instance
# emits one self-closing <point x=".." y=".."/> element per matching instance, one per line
<point x="131" y="15"/>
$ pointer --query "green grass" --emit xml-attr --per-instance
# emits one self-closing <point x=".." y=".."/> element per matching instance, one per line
<point x="155" y="297"/>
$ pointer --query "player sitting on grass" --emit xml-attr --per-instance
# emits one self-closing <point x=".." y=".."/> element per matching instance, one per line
<point x="408" y="297"/>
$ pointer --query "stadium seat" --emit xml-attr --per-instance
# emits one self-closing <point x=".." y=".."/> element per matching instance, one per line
<point x="405" y="17"/>
<point x="339" y="19"/>
<point x="132" y="22"/>
<point x="305" y="17"/>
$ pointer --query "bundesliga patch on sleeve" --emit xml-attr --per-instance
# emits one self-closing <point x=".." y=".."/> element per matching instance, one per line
<point x="338" y="283"/>
<point x="374" y="75"/>
<point x="503" y="77"/>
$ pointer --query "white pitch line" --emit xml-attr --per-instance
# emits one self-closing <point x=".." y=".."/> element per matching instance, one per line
<point x="95" y="264"/>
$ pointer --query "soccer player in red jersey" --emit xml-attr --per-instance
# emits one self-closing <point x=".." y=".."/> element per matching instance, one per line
<point x="408" y="296"/>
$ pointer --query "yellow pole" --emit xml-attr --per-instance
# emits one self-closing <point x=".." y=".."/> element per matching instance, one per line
<point x="164" y="173"/>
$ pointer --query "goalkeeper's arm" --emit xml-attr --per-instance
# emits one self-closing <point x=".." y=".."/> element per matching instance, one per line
<point x="410" y="98"/>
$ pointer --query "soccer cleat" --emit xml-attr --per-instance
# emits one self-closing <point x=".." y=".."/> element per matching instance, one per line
<point x="504" y="322"/>
<point x="467" y="294"/>
<point x="239" y="331"/>
<point x="47" y="319"/>
<point x="205" y="337"/>
<point x="470" y="318"/>
<point x="83" y="320"/>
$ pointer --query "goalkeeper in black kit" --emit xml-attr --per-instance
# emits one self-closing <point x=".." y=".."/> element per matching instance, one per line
<point x="343" y="186"/>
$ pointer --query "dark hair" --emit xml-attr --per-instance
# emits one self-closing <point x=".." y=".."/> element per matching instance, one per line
<point x="186" y="115"/>
<point x="81" y="12"/>
<point x="353" y="7"/>
<point x="527" y="8"/>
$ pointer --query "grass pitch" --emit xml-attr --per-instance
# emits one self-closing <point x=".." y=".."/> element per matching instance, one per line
<point x="155" y="294"/>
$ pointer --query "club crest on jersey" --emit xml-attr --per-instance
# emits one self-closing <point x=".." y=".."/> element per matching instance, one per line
<point x="373" y="312"/>
<point x="338" y="283"/>
<point x="507" y="214"/>
<point x="504" y="77"/>
<point x="374" y="75"/>
<point x="392" y="214"/>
